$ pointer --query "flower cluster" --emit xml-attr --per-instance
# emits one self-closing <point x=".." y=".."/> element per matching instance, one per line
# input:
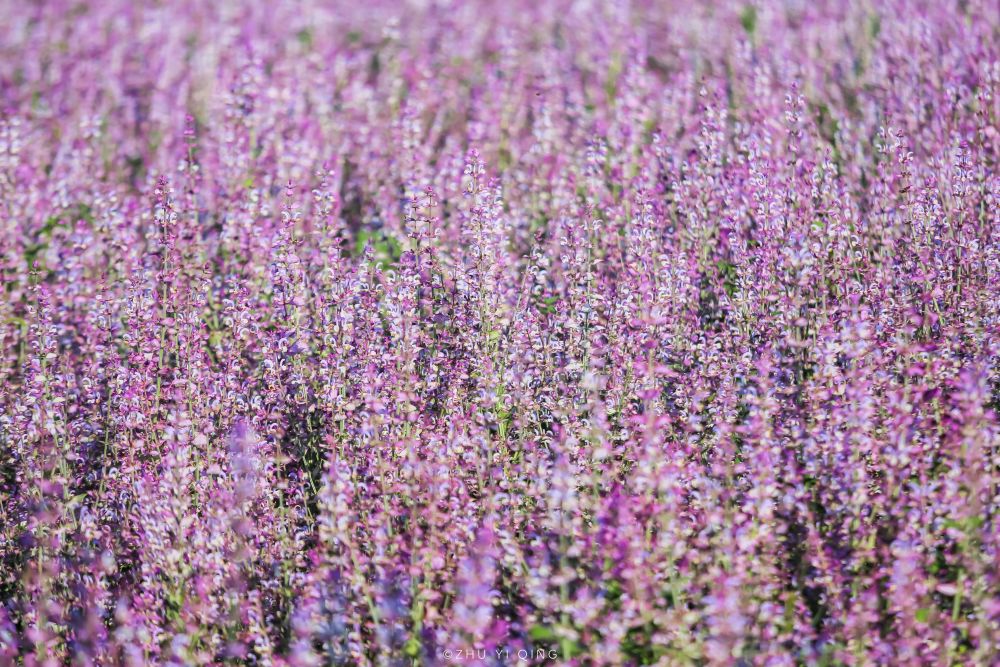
<point x="622" y="332"/>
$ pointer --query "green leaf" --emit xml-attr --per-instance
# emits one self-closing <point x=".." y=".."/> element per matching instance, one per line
<point x="571" y="648"/>
<point x="728" y="273"/>
<point x="412" y="647"/>
<point x="614" y="72"/>
<point x="968" y="524"/>
<point x="748" y="19"/>
<point x="923" y="615"/>
<point x="541" y="633"/>
<point x="875" y="25"/>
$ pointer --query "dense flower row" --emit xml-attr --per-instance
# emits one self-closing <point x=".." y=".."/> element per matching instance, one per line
<point x="521" y="332"/>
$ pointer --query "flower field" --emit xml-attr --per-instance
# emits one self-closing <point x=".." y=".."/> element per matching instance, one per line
<point x="552" y="332"/>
